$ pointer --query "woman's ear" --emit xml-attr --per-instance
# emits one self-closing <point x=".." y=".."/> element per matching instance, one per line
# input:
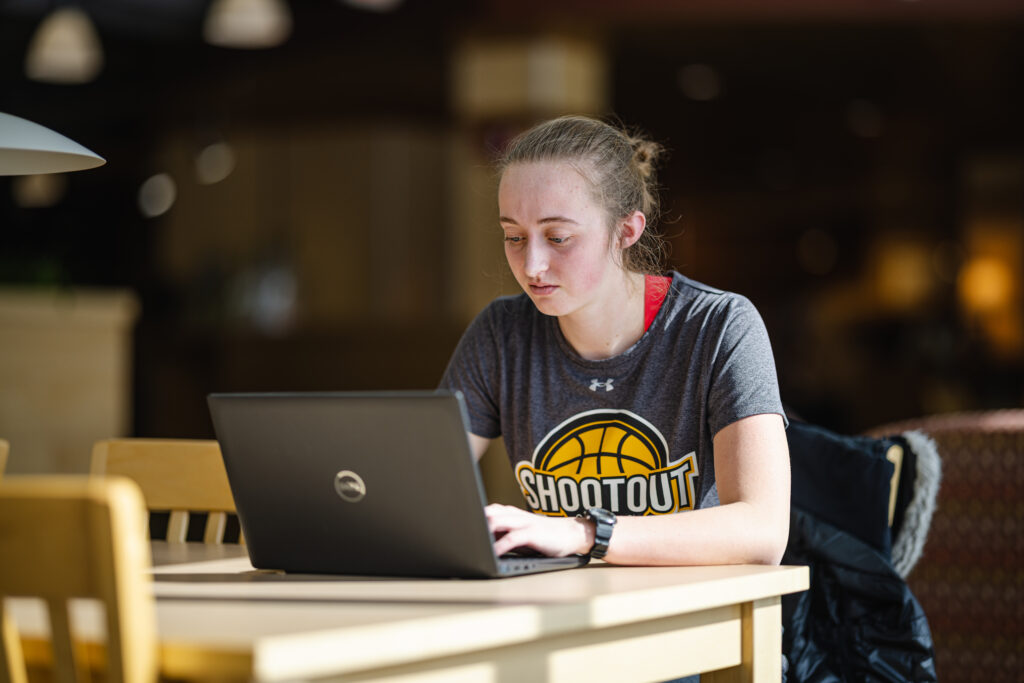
<point x="630" y="229"/>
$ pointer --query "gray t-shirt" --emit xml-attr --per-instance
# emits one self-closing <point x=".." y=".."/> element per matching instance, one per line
<point x="633" y="433"/>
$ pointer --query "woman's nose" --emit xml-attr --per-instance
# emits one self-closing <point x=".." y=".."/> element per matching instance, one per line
<point x="536" y="260"/>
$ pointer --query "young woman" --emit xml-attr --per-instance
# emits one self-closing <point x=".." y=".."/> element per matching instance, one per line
<point x="640" y="411"/>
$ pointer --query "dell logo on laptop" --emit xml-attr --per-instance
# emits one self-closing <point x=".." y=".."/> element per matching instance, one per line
<point x="349" y="486"/>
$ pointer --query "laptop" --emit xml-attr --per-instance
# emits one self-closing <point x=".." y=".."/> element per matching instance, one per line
<point x="369" y="483"/>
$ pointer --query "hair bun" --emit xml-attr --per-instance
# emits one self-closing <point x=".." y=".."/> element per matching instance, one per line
<point x="645" y="155"/>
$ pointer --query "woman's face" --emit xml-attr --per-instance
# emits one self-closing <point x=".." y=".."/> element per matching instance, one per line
<point x="556" y="237"/>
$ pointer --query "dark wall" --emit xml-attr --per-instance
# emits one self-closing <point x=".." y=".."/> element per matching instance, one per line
<point x="849" y="134"/>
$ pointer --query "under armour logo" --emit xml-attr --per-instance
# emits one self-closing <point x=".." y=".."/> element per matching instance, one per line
<point x="594" y="384"/>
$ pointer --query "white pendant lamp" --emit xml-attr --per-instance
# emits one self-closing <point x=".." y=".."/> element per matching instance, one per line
<point x="65" y="49"/>
<point x="27" y="148"/>
<point x="247" y="24"/>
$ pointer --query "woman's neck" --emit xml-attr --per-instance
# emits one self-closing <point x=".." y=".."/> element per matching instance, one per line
<point x="607" y="328"/>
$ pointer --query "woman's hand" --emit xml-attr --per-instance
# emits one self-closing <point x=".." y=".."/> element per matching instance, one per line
<point x="513" y="527"/>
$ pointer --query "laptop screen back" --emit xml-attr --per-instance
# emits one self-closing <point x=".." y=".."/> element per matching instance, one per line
<point x="379" y="483"/>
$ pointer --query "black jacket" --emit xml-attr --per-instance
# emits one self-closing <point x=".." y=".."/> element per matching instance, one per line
<point x="859" y="620"/>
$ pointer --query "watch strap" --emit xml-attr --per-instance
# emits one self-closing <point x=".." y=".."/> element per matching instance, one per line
<point x="604" y="522"/>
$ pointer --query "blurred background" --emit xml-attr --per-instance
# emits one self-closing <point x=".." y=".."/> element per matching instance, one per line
<point x="302" y="199"/>
<point x="299" y="196"/>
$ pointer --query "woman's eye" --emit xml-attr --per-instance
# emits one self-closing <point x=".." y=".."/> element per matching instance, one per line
<point x="513" y="239"/>
<point x="558" y="240"/>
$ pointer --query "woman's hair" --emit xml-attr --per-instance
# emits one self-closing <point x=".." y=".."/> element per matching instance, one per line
<point x="619" y="166"/>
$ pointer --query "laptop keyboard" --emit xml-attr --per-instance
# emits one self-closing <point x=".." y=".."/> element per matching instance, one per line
<point x="514" y="563"/>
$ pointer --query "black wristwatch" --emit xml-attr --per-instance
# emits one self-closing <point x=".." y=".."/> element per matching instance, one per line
<point x="604" y="522"/>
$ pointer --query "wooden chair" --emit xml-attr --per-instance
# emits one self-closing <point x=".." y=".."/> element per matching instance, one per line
<point x="64" y="537"/>
<point x="5" y="449"/>
<point x="181" y="476"/>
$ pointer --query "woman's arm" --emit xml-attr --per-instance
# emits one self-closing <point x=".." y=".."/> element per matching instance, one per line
<point x="751" y="525"/>
<point x="478" y="444"/>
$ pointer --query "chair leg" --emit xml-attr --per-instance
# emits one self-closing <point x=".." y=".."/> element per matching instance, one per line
<point x="177" y="526"/>
<point x="216" y="523"/>
<point x="12" y="662"/>
<point x="64" y="667"/>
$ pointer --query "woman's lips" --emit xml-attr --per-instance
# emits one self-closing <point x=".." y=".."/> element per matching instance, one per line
<point x="542" y="290"/>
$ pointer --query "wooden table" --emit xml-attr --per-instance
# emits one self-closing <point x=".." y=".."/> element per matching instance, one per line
<point x="221" y="619"/>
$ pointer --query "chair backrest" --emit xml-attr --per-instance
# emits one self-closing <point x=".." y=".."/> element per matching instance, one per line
<point x="5" y="449"/>
<point x="64" y="537"/>
<point x="180" y="476"/>
<point x="971" y="563"/>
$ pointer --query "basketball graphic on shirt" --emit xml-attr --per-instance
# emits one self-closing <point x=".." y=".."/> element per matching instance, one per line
<point x="613" y="459"/>
<point x="592" y="447"/>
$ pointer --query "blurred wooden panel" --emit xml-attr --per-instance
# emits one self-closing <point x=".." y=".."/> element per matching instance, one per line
<point x="353" y="217"/>
<point x="65" y="374"/>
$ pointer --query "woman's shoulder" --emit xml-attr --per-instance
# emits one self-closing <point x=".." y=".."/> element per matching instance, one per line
<point x="697" y="296"/>
<point x="702" y="313"/>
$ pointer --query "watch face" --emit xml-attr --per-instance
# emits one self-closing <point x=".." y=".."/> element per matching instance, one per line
<point x="601" y="515"/>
